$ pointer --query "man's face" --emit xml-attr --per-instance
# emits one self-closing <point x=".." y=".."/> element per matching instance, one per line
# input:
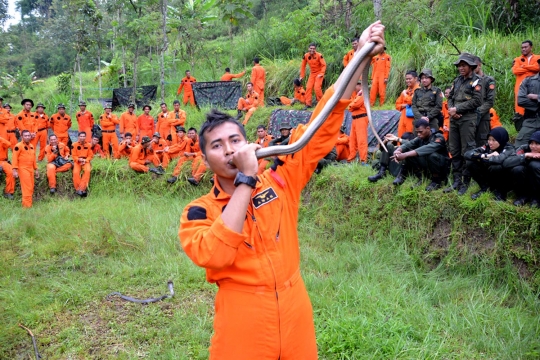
<point x="188" y="74"/>
<point x="464" y="68"/>
<point x="426" y="81"/>
<point x="355" y="45"/>
<point x="107" y="111"/>
<point x="145" y="145"/>
<point x="26" y="136"/>
<point x="249" y="87"/>
<point x="478" y="69"/>
<point x="146" y="111"/>
<point x="130" y="109"/>
<point x="53" y="140"/>
<point x="285" y="132"/>
<point x="82" y="138"/>
<point x="221" y="144"/>
<point x="535" y="147"/>
<point x="176" y="106"/>
<point x="82" y="108"/>
<point x="410" y="80"/>
<point x="128" y="139"/>
<point x="526" y="49"/>
<point x="312" y="49"/>
<point x="95" y="141"/>
<point x="164" y="108"/>
<point x="191" y="134"/>
<point x="180" y="134"/>
<point x="358" y="87"/>
<point x="39" y="110"/>
<point x="447" y="93"/>
<point x="27" y="106"/>
<point x="8" y="109"/>
<point x="423" y="132"/>
<point x="62" y="111"/>
<point x="155" y="139"/>
<point x="261" y="133"/>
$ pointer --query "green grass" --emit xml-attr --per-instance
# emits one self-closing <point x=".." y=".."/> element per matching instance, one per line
<point x="392" y="273"/>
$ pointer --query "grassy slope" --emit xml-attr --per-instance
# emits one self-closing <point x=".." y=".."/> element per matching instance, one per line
<point x="391" y="273"/>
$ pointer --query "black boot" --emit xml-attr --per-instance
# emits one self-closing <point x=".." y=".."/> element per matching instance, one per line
<point x="400" y="179"/>
<point x="239" y="115"/>
<point x="479" y="193"/>
<point x="464" y="185"/>
<point x="455" y="185"/>
<point x="378" y="176"/>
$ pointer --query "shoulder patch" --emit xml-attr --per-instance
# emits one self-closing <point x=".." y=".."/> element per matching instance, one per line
<point x="475" y="82"/>
<point x="492" y="86"/>
<point x="196" y="213"/>
<point x="26" y="148"/>
<point x="477" y="88"/>
<point x="79" y="147"/>
<point x="20" y="117"/>
<point x="264" y="197"/>
<point x="16" y="148"/>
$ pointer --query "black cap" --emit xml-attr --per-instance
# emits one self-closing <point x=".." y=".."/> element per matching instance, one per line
<point x="285" y="125"/>
<point x="469" y="59"/>
<point x="60" y="106"/>
<point x="108" y="106"/>
<point x="82" y="103"/>
<point x="131" y="106"/>
<point x="6" y="105"/>
<point x="27" y="100"/>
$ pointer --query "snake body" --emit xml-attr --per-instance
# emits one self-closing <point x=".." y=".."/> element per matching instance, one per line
<point x="361" y="58"/>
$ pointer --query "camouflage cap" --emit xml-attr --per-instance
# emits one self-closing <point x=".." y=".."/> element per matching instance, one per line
<point x="285" y="125"/>
<point x="6" y="105"/>
<point x="131" y="106"/>
<point x="82" y="103"/>
<point x="107" y="106"/>
<point x="467" y="58"/>
<point x="145" y="140"/>
<point x="156" y="134"/>
<point x="40" y="105"/>
<point x="180" y="128"/>
<point x="428" y="73"/>
<point x="61" y="106"/>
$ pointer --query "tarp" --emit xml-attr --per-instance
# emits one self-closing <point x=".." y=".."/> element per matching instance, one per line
<point x="220" y="94"/>
<point x="123" y="96"/>
<point x="385" y="121"/>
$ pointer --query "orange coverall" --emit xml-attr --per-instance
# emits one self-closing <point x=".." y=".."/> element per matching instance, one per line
<point x="178" y="149"/>
<point x="228" y="76"/>
<point x="342" y="147"/>
<point x="24" y="161"/>
<point x="495" y="121"/>
<point x="262" y="308"/>
<point x="146" y="126"/>
<point x="63" y="151"/>
<point x="406" y="124"/>
<point x="258" y="78"/>
<point x="128" y="124"/>
<point x="10" y="130"/>
<point x="317" y="67"/>
<point x="6" y="167"/>
<point x="60" y="126"/>
<point x="446" y="118"/>
<point x="108" y="133"/>
<point x="81" y="151"/>
<point x="249" y="104"/>
<point x="380" y="72"/>
<point x="26" y="120"/>
<point x="41" y="134"/>
<point x="348" y="57"/>
<point x="197" y="165"/>
<point x="188" y="90"/>
<point x="299" y="94"/>
<point x="162" y="125"/>
<point x="86" y="122"/>
<point x="358" y="140"/>
<point x="264" y="142"/>
<point x="175" y="119"/>
<point x="138" y="157"/>
<point x="97" y="150"/>
<point x="124" y="150"/>
<point x="523" y="67"/>
<point x="162" y="156"/>
<point x="4" y="117"/>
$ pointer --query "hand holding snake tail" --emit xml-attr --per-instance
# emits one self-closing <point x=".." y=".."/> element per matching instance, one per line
<point x="361" y="59"/>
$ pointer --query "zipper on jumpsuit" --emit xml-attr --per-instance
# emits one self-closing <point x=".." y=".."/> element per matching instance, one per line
<point x="252" y="214"/>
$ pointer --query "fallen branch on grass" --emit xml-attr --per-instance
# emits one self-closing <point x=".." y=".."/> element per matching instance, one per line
<point x="36" y="352"/>
<point x="145" y="301"/>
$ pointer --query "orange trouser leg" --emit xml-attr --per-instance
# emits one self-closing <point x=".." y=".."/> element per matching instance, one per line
<point x="517" y="108"/>
<point x="164" y="159"/>
<point x="262" y="166"/>
<point x="41" y="139"/>
<point x="343" y="152"/>
<point x="381" y="86"/>
<point x="258" y="326"/>
<point x="52" y="170"/>
<point x="353" y="141"/>
<point x="10" y="180"/>
<point x="374" y="91"/>
<point x="405" y="124"/>
<point x="362" y="137"/>
<point x="198" y="168"/>
<point x="138" y="167"/>
<point x="26" y="179"/>
<point x="81" y="182"/>
<point x="285" y="100"/>
<point x="259" y="91"/>
<point x="12" y="139"/>
<point x="309" y="89"/>
<point x="248" y="115"/>
<point x="110" y="138"/>
<point x="63" y="139"/>
<point x="178" y="169"/>
<point x="189" y="97"/>
<point x="241" y="104"/>
<point x="318" y="87"/>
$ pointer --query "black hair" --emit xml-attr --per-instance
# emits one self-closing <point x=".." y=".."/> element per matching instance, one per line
<point x="192" y="129"/>
<point x="147" y="106"/>
<point x="188" y="71"/>
<point x="128" y="134"/>
<point x="25" y="131"/>
<point x="256" y="60"/>
<point x="227" y="70"/>
<point x="249" y="83"/>
<point x="412" y="72"/>
<point x="477" y="59"/>
<point x="421" y="123"/>
<point x="448" y="88"/>
<point x="527" y="41"/>
<point x="312" y="44"/>
<point x="297" y="82"/>
<point x="81" y="132"/>
<point x="354" y="39"/>
<point x="261" y="127"/>
<point x="50" y="136"/>
<point x="214" y="119"/>
<point x="176" y="102"/>
<point x="407" y="135"/>
<point x="162" y="104"/>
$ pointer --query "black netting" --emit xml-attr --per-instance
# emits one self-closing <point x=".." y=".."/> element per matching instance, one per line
<point x="220" y="94"/>
<point x="124" y="96"/>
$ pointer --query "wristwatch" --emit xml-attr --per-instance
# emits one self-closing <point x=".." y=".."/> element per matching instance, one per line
<point x="244" y="179"/>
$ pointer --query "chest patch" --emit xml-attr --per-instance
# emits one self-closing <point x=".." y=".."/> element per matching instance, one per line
<point x="264" y="197"/>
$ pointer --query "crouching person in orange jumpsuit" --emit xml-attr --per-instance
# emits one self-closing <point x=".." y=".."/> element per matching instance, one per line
<point x="244" y="233"/>
<point x="342" y="145"/>
<point x="57" y="155"/>
<point x="142" y="155"/>
<point x="82" y="155"/>
<point x="191" y="151"/>
<point x="25" y="167"/>
<point x="248" y="104"/>
<point x="7" y="168"/>
<point x="299" y="95"/>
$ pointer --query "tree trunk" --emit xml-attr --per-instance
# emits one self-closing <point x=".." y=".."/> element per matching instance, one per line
<point x="377" y="7"/>
<point x="99" y="68"/>
<point x="348" y="14"/>
<point x="135" y="60"/>
<point x="80" y="76"/>
<point x="163" y="49"/>
<point x="231" y="39"/>
<point x="124" y="65"/>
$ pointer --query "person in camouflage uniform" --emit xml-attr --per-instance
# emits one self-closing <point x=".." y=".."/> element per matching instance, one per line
<point x="427" y="101"/>
<point x="483" y="122"/>
<point x="465" y="98"/>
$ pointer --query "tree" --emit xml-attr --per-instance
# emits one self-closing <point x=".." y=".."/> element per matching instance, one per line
<point x="233" y="11"/>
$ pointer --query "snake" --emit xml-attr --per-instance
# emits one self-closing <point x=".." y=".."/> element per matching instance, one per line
<point x="361" y="58"/>
<point x="145" y="301"/>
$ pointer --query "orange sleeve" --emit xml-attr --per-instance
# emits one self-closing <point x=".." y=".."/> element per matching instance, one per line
<point x="495" y="121"/>
<point x="89" y="155"/>
<point x="238" y="75"/>
<point x="15" y="156"/>
<point x="323" y="65"/>
<point x="517" y="67"/>
<point x="342" y="140"/>
<point x="49" y="154"/>
<point x="400" y="101"/>
<point x="357" y="103"/>
<point x="180" y="87"/>
<point x="387" y="66"/>
<point x="303" y="67"/>
<point x="122" y="123"/>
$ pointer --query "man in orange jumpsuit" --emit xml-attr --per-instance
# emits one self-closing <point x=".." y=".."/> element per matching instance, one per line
<point x="342" y="145"/>
<point x="41" y="134"/>
<point x="248" y="104"/>
<point x="10" y="127"/>
<point x="404" y="100"/>
<point x="126" y="145"/>
<point x="26" y="119"/>
<point x="263" y="139"/>
<point x="82" y="155"/>
<point x="25" y="167"/>
<point x="299" y="95"/>
<point x="177" y="117"/>
<point x="258" y="79"/>
<point x="188" y="89"/>
<point x="60" y="123"/>
<point x="228" y="76"/>
<point x="244" y="233"/>
<point x="108" y="122"/>
<point x="6" y="167"/>
<point x="317" y="68"/>
<point x="524" y="66"/>
<point x="85" y="120"/>
<point x="379" y="77"/>
<point x="162" y="126"/>
<point x="54" y="150"/>
<point x="142" y="155"/>
<point x="348" y="56"/>
<point x="358" y="140"/>
<point x="145" y="123"/>
<point x="158" y="148"/>
<point x="128" y="121"/>
<point x="446" y="116"/>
